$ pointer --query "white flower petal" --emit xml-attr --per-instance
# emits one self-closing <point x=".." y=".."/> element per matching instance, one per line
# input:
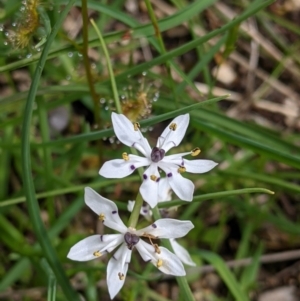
<point x="184" y="188"/>
<point x="176" y="158"/>
<point x="119" y="168"/>
<point x="143" y="146"/>
<point x="145" y="210"/>
<point x="125" y="132"/>
<point x="166" y="261"/>
<point x="117" y="269"/>
<point x="130" y="205"/>
<point x="105" y="207"/>
<point x="199" y="166"/>
<point x="85" y="249"/>
<point x="171" y="264"/>
<point x="170" y="138"/>
<point x="167" y="228"/>
<point x="182" y="253"/>
<point x="146" y="250"/>
<point x="164" y="190"/>
<point x="124" y="129"/>
<point x="149" y="187"/>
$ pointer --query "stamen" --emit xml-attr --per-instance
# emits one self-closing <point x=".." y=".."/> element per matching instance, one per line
<point x="169" y="175"/>
<point x="136" y="126"/>
<point x="132" y="167"/>
<point x="153" y="178"/>
<point x="145" y="177"/>
<point x="125" y="157"/>
<point x="102" y="217"/>
<point x="159" y="263"/>
<point x="131" y="240"/>
<point x="173" y="126"/>
<point x="157" y="249"/>
<point x="157" y="154"/>
<point x="196" y="151"/>
<point x="150" y="236"/>
<point x="97" y="254"/>
<point x="121" y="276"/>
<point x="181" y="169"/>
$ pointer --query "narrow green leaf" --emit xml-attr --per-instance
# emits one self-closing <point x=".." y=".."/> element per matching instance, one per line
<point x="51" y="294"/>
<point x="257" y="147"/>
<point x="109" y="132"/>
<point x="249" y="275"/>
<point x="226" y="275"/>
<point x="214" y="195"/>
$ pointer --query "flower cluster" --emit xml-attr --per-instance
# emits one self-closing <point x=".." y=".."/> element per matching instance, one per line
<point x="154" y="189"/>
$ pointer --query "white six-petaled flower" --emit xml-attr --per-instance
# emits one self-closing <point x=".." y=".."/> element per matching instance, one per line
<point x="165" y="195"/>
<point x="128" y="238"/>
<point x="172" y="165"/>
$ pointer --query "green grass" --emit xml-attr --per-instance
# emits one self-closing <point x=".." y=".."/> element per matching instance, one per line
<point x="43" y="174"/>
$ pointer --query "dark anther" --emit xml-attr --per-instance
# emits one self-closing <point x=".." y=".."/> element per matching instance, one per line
<point x="157" y="154"/>
<point x="131" y="240"/>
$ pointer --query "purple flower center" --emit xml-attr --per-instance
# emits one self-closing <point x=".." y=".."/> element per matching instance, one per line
<point x="157" y="154"/>
<point x="131" y="240"/>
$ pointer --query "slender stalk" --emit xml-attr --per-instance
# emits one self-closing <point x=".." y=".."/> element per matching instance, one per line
<point x="134" y="217"/>
<point x="215" y="195"/>
<point x="87" y="64"/>
<point x="32" y="204"/>
<point x="51" y="295"/>
<point x="109" y="67"/>
<point x="161" y="43"/>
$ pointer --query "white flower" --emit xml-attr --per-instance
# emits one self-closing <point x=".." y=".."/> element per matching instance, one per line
<point x="155" y="158"/>
<point x="165" y="195"/>
<point x="128" y="238"/>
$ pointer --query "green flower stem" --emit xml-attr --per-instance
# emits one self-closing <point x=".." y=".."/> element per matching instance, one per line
<point x="109" y="66"/>
<point x="134" y="217"/>
<point x="185" y="289"/>
<point x="32" y="204"/>
<point x="139" y="201"/>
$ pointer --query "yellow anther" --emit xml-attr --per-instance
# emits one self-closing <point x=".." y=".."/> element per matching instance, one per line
<point x="97" y="254"/>
<point x="181" y="169"/>
<point x="196" y="151"/>
<point x="173" y="126"/>
<point x="153" y="177"/>
<point x="121" y="276"/>
<point x="136" y="126"/>
<point x="159" y="263"/>
<point x="125" y="156"/>
<point x="102" y="217"/>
